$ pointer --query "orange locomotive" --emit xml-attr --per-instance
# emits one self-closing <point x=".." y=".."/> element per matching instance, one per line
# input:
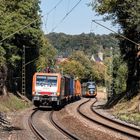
<point x="53" y="89"/>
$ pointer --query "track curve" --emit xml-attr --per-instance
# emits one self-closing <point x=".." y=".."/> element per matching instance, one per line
<point x="34" y="129"/>
<point x="40" y="136"/>
<point x="109" y="123"/>
<point x="62" y="130"/>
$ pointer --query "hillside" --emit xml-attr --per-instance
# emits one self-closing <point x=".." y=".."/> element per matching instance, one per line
<point x="89" y="43"/>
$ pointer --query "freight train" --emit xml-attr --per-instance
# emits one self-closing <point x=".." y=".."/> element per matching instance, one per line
<point x="54" y="89"/>
<point x="89" y="89"/>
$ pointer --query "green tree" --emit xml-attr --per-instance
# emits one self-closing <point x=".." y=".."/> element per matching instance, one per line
<point x="47" y="56"/>
<point x="88" y="43"/>
<point x="15" y="15"/>
<point x="73" y="68"/>
<point x="98" y="73"/>
<point x="126" y="14"/>
<point x="3" y="72"/>
<point x="80" y="57"/>
<point x="115" y="75"/>
<point x="2" y="58"/>
<point x="119" y="74"/>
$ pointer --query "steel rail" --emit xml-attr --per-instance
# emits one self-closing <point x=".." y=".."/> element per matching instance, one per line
<point x="134" y="134"/>
<point x="34" y="129"/>
<point x="62" y="130"/>
<point x="131" y="128"/>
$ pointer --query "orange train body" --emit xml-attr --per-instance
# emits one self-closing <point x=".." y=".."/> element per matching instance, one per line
<point x="77" y="88"/>
<point x="54" y="89"/>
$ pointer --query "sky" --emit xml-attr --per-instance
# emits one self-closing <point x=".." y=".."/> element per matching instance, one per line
<point x="77" y="22"/>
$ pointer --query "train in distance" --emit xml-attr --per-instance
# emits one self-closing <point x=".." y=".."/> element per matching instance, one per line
<point x="89" y="89"/>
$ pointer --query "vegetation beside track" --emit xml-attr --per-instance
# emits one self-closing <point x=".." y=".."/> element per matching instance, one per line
<point x="13" y="103"/>
<point x="128" y="111"/>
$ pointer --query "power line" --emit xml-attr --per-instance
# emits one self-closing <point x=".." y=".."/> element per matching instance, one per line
<point x="53" y="18"/>
<point x="31" y="61"/>
<point x="23" y="27"/>
<point x="37" y="20"/>
<point x="91" y="27"/>
<point x="68" y="5"/>
<point x="116" y="33"/>
<point x="55" y="7"/>
<point x="18" y="30"/>
<point x="67" y="15"/>
<point x="29" y="25"/>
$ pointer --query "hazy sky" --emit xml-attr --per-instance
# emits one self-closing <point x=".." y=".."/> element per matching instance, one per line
<point x="77" y="22"/>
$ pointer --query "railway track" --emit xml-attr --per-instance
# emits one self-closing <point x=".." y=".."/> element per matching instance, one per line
<point x="40" y="136"/>
<point x="61" y="129"/>
<point x="107" y="122"/>
<point x="34" y="129"/>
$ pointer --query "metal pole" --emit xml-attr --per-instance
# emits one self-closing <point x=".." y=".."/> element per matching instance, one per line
<point x="23" y="72"/>
<point x="111" y="69"/>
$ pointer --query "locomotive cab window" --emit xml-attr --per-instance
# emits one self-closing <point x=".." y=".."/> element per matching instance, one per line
<point x="43" y="80"/>
<point x="52" y="80"/>
<point x="91" y="86"/>
<point x="40" y="80"/>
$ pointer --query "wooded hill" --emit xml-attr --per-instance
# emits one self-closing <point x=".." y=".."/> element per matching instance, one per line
<point x="88" y="43"/>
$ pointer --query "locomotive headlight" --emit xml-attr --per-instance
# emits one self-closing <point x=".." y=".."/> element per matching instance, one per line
<point x="58" y="93"/>
<point x="55" y="93"/>
<point x="33" y="93"/>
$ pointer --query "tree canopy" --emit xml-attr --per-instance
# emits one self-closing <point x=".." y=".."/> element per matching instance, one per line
<point x="16" y="32"/>
<point x="47" y="56"/>
<point x="79" y="65"/>
<point x="89" y="43"/>
<point x="126" y="14"/>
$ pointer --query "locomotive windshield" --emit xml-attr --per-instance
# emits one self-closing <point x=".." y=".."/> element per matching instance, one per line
<point x="43" y="80"/>
<point x="91" y="85"/>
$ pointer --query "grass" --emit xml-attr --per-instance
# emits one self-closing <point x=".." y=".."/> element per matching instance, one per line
<point x="12" y="103"/>
<point x="133" y="118"/>
<point x="128" y="111"/>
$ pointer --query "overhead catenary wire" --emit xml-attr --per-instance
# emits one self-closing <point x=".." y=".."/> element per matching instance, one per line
<point x="68" y="6"/>
<point x="119" y="35"/>
<point x="53" y="18"/>
<point x="29" y="25"/>
<point x="54" y="8"/>
<point x="66" y="15"/>
<point x="18" y="30"/>
<point x="116" y="33"/>
<point x="91" y="27"/>
<point x="33" y="21"/>
<point x="30" y="61"/>
<point x="59" y="2"/>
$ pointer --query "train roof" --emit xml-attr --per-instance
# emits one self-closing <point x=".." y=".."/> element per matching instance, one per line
<point x="49" y="74"/>
<point x="91" y="82"/>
